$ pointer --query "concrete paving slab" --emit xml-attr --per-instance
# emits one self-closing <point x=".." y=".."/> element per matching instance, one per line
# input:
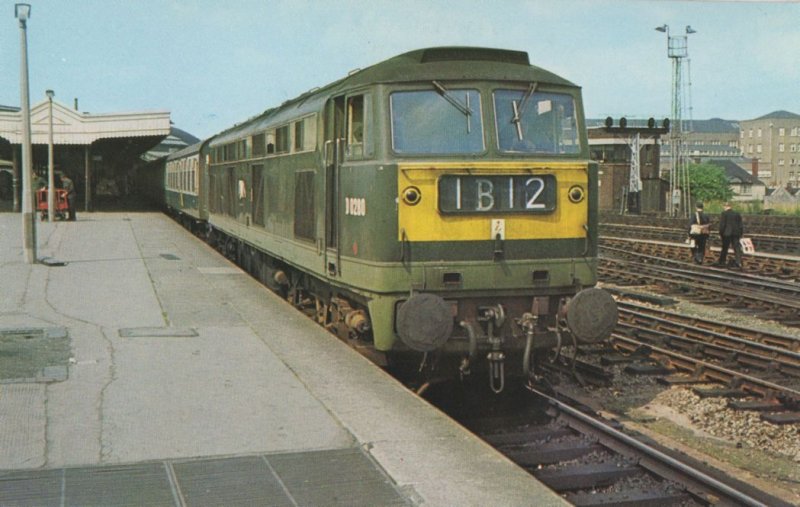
<point x="218" y="393"/>
<point x="23" y="422"/>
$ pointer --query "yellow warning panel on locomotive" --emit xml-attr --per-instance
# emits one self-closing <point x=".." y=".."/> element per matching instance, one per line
<point x="473" y="202"/>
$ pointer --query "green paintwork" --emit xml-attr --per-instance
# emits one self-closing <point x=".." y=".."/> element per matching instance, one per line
<point x="371" y="266"/>
<point x="188" y="204"/>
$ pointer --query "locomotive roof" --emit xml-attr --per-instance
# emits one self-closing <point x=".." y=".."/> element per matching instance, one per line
<point x="456" y="63"/>
<point x="452" y="63"/>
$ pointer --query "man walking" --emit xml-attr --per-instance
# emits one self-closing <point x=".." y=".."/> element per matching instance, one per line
<point x="69" y="188"/>
<point x="730" y="230"/>
<point x="699" y="225"/>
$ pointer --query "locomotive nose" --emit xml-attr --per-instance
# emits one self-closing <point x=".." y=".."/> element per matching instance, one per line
<point x="592" y="315"/>
<point x="424" y="322"/>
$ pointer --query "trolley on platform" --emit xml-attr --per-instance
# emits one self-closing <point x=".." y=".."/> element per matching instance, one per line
<point x="60" y="203"/>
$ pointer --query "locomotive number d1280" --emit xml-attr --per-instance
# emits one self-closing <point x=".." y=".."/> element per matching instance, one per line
<point x="490" y="194"/>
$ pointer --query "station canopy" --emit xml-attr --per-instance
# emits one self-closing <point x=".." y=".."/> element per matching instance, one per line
<point x="99" y="151"/>
<point x="72" y="127"/>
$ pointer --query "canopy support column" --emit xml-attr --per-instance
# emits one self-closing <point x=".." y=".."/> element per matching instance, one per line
<point x="87" y="179"/>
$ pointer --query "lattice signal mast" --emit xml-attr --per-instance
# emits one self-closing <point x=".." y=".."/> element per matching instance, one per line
<point x="679" y="190"/>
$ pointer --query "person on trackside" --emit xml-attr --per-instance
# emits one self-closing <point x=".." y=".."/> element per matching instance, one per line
<point x="699" y="229"/>
<point x="730" y="231"/>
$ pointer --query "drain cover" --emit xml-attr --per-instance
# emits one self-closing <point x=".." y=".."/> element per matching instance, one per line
<point x="34" y="354"/>
<point x="157" y="332"/>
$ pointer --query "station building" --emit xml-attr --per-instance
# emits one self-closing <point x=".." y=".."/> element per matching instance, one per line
<point x="758" y="156"/>
<point x="714" y="139"/>
<point x="774" y="141"/>
<point x="99" y="152"/>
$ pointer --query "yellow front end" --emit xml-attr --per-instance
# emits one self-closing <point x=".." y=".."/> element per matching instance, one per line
<point x="420" y="219"/>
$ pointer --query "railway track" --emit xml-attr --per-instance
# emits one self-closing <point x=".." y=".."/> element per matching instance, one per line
<point x="779" y="402"/>
<point x="593" y="461"/>
<point x="763" y="225"/>
<point x="780" y="267"/>
<point x="762" y="242"/>
<point x="759" y="296"/>
<point x="774" y="354"/>
<point x="696" y="325"/>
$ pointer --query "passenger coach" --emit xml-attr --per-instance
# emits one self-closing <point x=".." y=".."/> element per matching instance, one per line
<point x="182" y="185"/>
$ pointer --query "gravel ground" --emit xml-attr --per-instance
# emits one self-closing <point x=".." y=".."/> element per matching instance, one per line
<point x="711" y="416"/>
<point x="740" y="438"/>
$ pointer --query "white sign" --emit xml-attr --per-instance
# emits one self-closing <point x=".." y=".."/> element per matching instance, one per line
<point x="355" y="206"/>
<point x="498" y="228"/>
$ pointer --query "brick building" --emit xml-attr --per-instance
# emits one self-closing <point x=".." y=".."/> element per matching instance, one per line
<point x="774" y="141"/>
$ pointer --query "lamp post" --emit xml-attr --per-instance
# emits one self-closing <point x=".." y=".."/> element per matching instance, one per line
<point x="22" y="12"/>
<point x="680" y="192"/>
<point x="50" y="177"/>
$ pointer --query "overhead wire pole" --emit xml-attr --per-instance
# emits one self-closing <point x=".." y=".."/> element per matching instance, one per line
<point x="677" y="50"/>
<point x="688" y="100"/>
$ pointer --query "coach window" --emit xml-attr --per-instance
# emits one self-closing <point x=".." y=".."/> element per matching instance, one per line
<point x="307" y="129"/>
<point x="259" y="145"/>
<point x="282" y="139"/>
<point x="231" y="201"/>
<point x="257" y="204"/>
<point x="298" y="135"/>
<point x="359" y="133"/>
<point x="304" y="209"/>
<point x="230" y="152"/>
<point x="213" y="192"/>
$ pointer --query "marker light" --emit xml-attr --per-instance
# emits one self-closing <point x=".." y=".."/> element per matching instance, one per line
<point x="576" y="194"/>
<point x="411" y="196"/>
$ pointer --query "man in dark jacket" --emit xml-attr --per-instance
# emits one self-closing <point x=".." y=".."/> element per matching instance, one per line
<point x="69" y="187"/>
<point x="730" y="230"/>
<point x="698" y="232"/>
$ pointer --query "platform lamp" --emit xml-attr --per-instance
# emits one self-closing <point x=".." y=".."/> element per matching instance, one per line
<point x="22" y="12"/>
<point x="50" y="176"/>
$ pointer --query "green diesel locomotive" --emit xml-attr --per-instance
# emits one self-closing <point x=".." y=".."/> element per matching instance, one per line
<point x="438" y="207"/>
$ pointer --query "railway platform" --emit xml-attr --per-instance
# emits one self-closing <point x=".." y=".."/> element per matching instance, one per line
<point x="139" y="367"/>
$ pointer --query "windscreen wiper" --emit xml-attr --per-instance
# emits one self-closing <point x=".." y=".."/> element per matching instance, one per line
<point x="448" y="96"/>
<point x="519" y="108"/>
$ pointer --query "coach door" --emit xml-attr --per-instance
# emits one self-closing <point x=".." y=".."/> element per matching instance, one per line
<point x="333" y="153"/>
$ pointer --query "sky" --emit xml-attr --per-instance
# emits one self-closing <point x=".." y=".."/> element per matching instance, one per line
<point x="215" y="63"/>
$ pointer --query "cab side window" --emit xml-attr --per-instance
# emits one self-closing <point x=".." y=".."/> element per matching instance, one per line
<point x="359" y="127"/>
